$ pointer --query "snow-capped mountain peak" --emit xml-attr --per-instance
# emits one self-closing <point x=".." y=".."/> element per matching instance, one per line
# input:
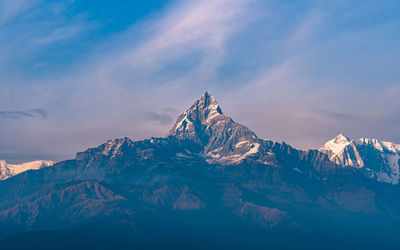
<point x="8" y="170"/>
<point x="337" y="144"/>
<point x="340" y="138"/>
<point x="203" y="111"/>
<point x="222" y="138"/>
<point x="376" y="159"/>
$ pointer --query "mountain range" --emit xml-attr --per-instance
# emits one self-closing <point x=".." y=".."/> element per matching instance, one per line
<point x="374" y="158"/>
<point x="210" y="183"/>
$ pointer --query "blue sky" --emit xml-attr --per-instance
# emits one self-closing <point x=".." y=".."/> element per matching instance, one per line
<point x="76" y="73"/>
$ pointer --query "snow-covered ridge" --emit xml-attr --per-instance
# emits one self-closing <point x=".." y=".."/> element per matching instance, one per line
<point x="380" y="145"/>
<point x="376" y="159"/>
<point x="8" y="170"/>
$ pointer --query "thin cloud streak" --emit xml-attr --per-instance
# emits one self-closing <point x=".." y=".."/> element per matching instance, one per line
<point x="340" y="116"/>
<point x="10" y="9"/>
<point x="31" y="113"/>
<point x="61" y="34"/>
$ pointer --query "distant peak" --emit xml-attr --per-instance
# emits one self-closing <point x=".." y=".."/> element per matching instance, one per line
<point x="207" y="101"/>
<point x="204" y="111"/>
<point x="119" y="140"/>
<point x="340" y="138"/>
<point x="206" y="95"/>
<point x="9" y="170"/>
<point x="337" y="144"/>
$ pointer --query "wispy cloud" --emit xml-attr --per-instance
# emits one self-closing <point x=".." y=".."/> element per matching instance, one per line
<point x="12" y="8"/>
<point x="61" y="34"/>
<point x="339" y="116"/>
<point x="31" y="113"/>
<point x="202" y="25"/>
<point x="191" y="36"/>
<point x="161" y="117"/>
<point x="33" y="34"/>
<point x="309" y="25"/>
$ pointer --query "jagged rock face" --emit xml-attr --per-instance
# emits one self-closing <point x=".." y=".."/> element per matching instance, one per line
<point x="223" y="140"/>
<point x="376" y="159"/>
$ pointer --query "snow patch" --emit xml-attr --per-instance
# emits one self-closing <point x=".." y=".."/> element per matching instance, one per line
<point x="236" y="158"/>
<point x="183" y="156"/>
<point x="393" y="176"/>
<point x="239" y="144"/>
<point x="183" y="124"/>
<point x="297" y="170"/>
<point x="112" y="147"/>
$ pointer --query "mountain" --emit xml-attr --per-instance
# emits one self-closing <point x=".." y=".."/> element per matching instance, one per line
<point x="223" y="140"/>
<point x="210" y="183"/>
<point x="376" y="159"/>
<point x="8" y="170"/>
